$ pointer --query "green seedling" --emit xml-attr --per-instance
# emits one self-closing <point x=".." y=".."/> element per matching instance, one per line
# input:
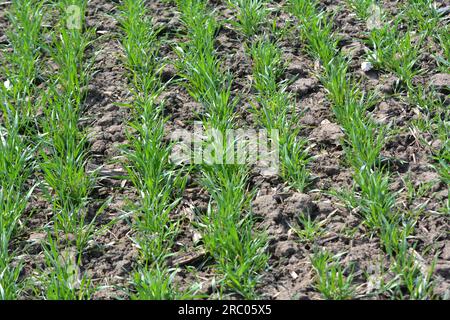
<point x="421" y="15"/>
<point x="276" y="110"/>
<point x="158" y="284"/>
<point x="362" y="8"/>
<point x="333" y="281"/>
<point x="240" y="255"/>
<point x="62" y="278"/>
<point x="308" y="229"/>
<point x="251" y="15"/>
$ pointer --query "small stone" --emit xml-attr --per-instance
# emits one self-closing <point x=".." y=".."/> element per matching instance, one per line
<point x="117" y="137"/>
<point x="308" y="120"/>
<point x="114" y="129"/>
<point x="436" y="145"/>
<point x="296" y="67"/>
<point x="168" y="73"/>
<point x="268" y="172"/>
<point x="383" y="114"/>
<point x="325" y="207"/>
<point x="37" y="237"/>
<point x="388" y="85"/>
<point x="196" y="237"/>
<point x="427" y="177"/>
<point x="123" y="266"/>
<point x="294" y="275"/>
<point x="383" y="107"/>
<point x="7" y="84"/>
<point x="331" y="170"/>
<point x="354" y="49"/>
<point x="366" y="66"/>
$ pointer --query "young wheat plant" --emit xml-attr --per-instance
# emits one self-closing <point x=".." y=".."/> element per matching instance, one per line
<point x="158" y="182"/>
<point x="228" y="235"/>
<point x="64" y="155"/>
<point x="17" y="135"/>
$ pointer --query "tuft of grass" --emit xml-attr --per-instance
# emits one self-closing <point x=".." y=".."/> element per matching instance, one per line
<point x="251" y="15"/>
<point x="362" y="8"/>
<point x="276" y="111"/>
<point x="308" y="229"/>
<point x="239" y="254"/>
<point x="268" y="67"/>
<point x="62" y="278"/>
<point x="413" y="192"/>
<point x="20" y="67"/>
<point x="303" y="10"/>
<point x="442" y="156"/>
<point x="396" y="52"/>
<point x="16" y="166"/>
<point x="201" y="68"/>
<point x="294" y="161"/>
<point x="157" y="283"/>
<point x="157" y="180"/>
<point x="333" y="281"/>
<point x="442" y="37"/>
<point x="363" y="138"/>
<point x="377" y="201"/>
<point x="412" y="279"/>
<point x="421" y="15"/>
<point x="65" y="151"/>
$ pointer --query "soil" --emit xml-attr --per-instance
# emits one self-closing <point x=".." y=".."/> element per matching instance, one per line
<point x="112" y="255"/>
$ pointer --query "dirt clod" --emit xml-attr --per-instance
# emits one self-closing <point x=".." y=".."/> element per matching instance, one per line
<point x="441" y="82"/>
<point x="303" y="86"/>
<point x="327" y="133"/>
<point x="300" y="204"/>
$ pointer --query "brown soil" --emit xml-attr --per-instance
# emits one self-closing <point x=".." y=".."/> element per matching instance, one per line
<point x="111" y="258"/>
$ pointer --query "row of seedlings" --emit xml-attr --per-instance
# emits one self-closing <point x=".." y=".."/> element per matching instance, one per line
<point x="277" y="111"/>
<point x="158" y="181"/>
<point x="20" y="68"/>
<point x="397" y="45"/>
<point x="64" y="154"/>
<point x="363" y="144"/>
<point x="229" y="237"/>
<point x="275" y="108"/>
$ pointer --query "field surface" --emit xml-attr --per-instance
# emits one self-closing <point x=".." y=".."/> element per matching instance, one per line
<point x="94" y="206"/>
